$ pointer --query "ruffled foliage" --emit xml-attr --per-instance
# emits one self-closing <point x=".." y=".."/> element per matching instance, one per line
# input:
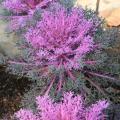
<point x="70" y="108"/>
<point x="62" y="39"/>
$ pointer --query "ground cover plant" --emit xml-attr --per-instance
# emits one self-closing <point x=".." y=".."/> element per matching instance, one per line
<point x="62" y="48"/>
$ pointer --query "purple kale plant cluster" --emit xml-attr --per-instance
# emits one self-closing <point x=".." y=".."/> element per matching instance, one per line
<point x="69" y="108"/>
<point x="57" y="46"/>
<point x="22" y="11"/>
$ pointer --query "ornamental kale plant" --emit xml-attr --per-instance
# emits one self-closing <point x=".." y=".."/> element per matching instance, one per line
<point x="60" y="41"/>
<point x="22" y="11"/>
<point x="60" y="46"/>
<point x="24" y="6"/>
<point x="69" y="108"/>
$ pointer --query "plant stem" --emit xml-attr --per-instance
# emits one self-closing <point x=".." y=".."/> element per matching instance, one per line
<point x="71" y="75"/>
<point x="11" y="17"/>
<point x="97" y="6"/>
<point x="19" y="63"/>
<point x="96" y="85"/>
<point x="60" y="82"/>
<point x="50" y="86"/>
<point x="104" y="76"/>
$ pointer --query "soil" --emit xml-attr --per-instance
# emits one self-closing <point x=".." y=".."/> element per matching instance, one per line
<point x="11" y="90"/>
